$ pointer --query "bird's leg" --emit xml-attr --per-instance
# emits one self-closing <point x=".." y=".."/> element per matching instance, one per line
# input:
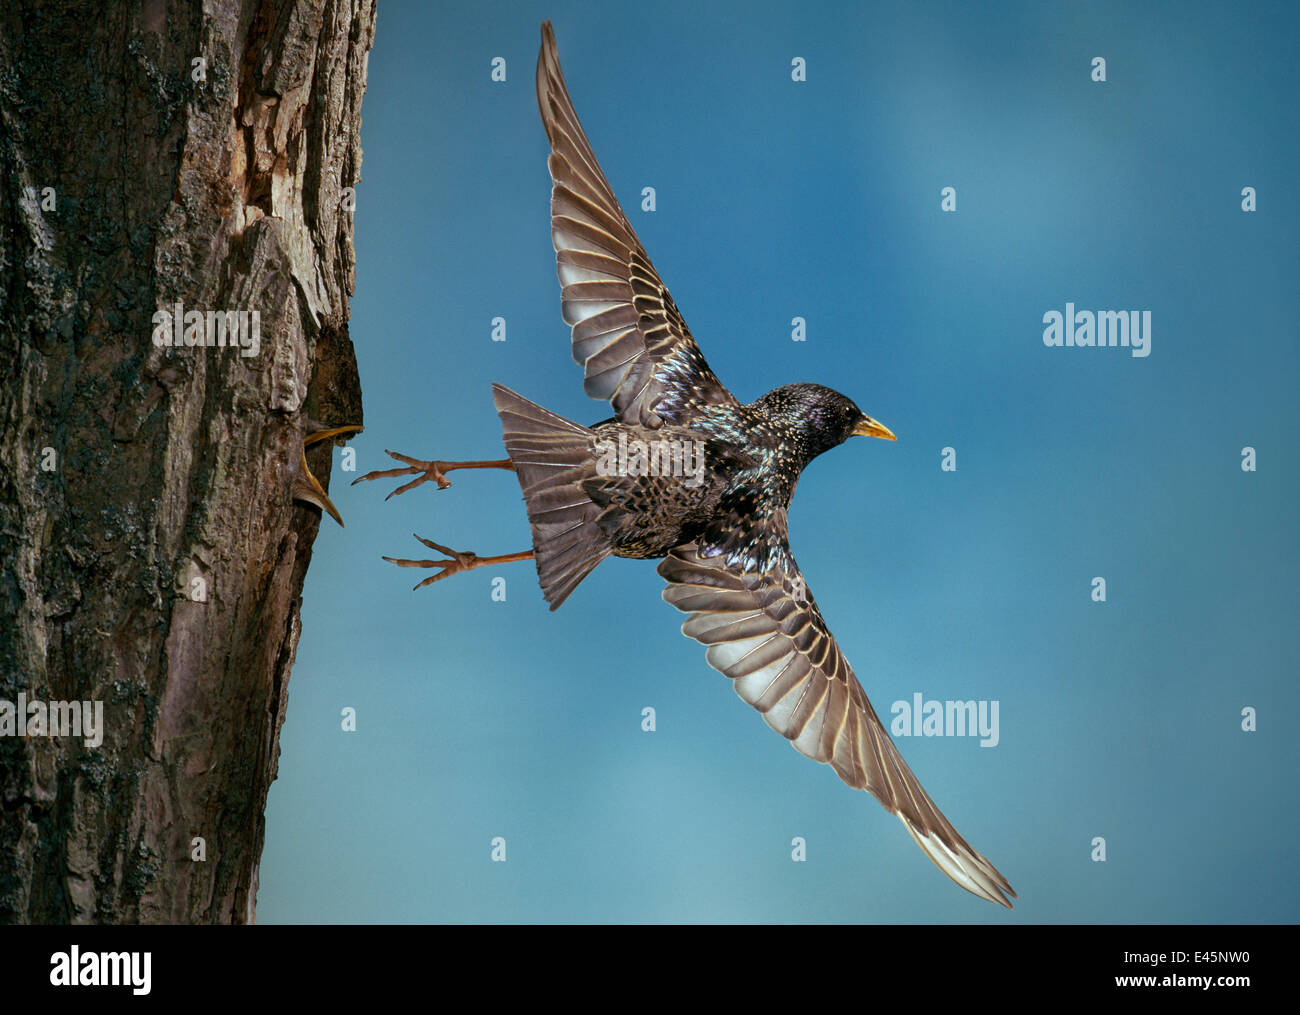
<point x="457" y="561"/>
<point x="425" y="471"/>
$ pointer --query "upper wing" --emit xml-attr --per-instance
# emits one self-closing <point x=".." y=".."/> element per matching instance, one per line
<point x="764" y="631"/>
<point x="627" y="331"/>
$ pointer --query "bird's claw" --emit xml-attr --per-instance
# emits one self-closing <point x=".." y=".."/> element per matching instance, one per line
<point x="422" y="470"/>
<point x="456" y="563"/>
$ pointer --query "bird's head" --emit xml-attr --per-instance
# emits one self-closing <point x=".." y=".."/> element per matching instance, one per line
<point x="818" y="418"/>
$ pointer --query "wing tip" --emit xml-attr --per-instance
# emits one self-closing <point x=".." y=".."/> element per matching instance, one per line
<point x="967" y="869"/>
<point x="547" y="53"/>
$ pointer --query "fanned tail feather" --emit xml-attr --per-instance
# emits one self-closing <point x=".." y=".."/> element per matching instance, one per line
<point x="552" y="457"/>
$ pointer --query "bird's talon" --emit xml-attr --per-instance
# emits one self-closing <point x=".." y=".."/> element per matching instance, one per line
<point x="457" y="562"/>
<point x="422" y="470"/>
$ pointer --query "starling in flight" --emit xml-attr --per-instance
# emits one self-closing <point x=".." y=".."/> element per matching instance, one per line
<point x="706" y="487"/>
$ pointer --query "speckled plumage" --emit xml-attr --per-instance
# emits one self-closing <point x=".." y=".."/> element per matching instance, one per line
<point x="724" y="538"/>
<point x="753" y="454"/>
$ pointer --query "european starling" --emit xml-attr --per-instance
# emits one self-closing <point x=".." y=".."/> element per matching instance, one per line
<point x="685" y="472"/>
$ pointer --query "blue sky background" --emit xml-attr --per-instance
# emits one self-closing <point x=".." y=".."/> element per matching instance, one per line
<point x="822" y="200"/>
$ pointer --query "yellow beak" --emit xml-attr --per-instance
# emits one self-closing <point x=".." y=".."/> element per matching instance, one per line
<point x="870" y="428"/>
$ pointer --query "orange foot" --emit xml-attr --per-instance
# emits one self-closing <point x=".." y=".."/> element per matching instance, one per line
<point x="425" y="471"/>
<point x="456" y="562"/>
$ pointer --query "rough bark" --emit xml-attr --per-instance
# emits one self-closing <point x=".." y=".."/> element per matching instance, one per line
<point x="167" y="464"/>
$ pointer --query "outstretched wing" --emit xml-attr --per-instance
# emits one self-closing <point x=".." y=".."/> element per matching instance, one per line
<point x="764" y="631"/>
<point x="627" y="332"/>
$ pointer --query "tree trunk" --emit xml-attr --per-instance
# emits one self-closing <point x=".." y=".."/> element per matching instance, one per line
<point x="152" y="553"/>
